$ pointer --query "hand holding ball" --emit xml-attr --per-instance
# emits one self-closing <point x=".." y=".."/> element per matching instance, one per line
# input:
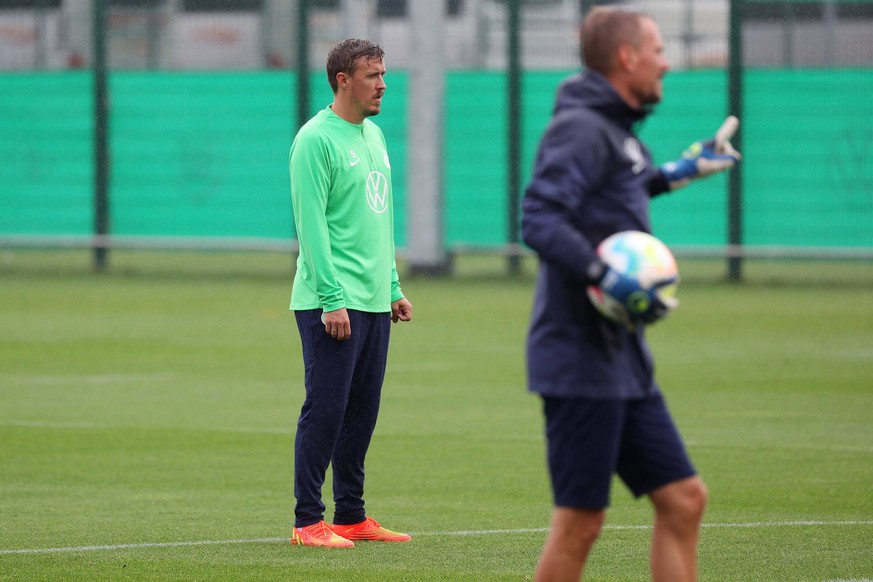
<point x="641" y="281"/>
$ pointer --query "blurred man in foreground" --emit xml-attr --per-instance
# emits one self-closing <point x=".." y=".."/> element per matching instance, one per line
<point x="604" y="413"/>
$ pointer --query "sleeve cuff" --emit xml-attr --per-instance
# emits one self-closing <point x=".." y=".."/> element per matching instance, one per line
<point x="596" y="271"/>
<point x="658" y="184"/>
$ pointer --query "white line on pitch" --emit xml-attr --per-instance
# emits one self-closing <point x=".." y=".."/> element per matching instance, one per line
<point x="421" y="534"/>
<point x="140" y="546"/>
<point x="632" y="527"/>
<point x="93" y="379"/>
<point x="48" y="424"/>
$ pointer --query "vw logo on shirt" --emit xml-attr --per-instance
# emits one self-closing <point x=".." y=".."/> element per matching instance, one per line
<point x="377" y="192"/>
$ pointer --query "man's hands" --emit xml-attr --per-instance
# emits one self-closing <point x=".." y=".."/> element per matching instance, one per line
<point x="401" y="310"/>
<point x="704" y="158"/>
<point x="642" y="305"/>
<point x="338" y="326"/>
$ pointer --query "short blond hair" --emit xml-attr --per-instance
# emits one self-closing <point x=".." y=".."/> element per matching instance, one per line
<point x="604" y="30"/>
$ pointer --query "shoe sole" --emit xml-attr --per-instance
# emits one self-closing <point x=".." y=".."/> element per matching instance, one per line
<point x="322" y="545"/>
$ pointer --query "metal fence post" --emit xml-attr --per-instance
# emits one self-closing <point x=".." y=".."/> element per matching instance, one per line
<point x="735" y="107"/>
<point x="425" y="211"/>
<point x="302" y="62"/>
<point x="101" y="139"/>
<point x="513" y="117"/>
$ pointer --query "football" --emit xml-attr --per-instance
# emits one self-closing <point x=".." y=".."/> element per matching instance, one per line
<point x="641" y="255"/>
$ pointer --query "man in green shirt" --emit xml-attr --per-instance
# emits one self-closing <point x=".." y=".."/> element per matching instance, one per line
<point x="346" y="294"/>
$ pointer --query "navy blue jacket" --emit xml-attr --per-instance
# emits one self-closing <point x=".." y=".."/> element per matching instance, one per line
<point x="592" y="178"/>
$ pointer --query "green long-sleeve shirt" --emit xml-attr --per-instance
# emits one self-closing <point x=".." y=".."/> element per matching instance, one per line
<point x="344" y="215"/>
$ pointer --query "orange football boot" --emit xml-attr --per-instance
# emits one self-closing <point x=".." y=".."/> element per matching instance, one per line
<point x="369" y="530"/>
<point x="319" y="534"/>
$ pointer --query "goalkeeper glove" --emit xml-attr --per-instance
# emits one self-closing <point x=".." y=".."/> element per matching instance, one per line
<point x="641" y="305"/>
<point x="704" y="158"/>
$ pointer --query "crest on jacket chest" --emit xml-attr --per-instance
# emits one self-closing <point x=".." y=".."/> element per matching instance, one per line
<point x="634" y="153"/>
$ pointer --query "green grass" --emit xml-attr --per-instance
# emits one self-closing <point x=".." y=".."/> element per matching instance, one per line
<point x="152" y="407"/>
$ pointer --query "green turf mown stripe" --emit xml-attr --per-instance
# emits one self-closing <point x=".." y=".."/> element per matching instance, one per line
<point x="422" y="534"/>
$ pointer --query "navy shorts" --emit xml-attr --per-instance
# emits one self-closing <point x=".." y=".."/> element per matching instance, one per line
<point x="591" y="440"/>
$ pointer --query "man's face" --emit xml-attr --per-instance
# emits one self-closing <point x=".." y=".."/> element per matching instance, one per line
<point x="651" y="65"/>
<point x="367" y="85"/>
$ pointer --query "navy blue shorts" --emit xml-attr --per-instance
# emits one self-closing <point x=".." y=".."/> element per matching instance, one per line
<point x="591" y="440"/>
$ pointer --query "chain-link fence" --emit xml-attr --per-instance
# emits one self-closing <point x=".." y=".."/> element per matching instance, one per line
<point x="260" y="34"/>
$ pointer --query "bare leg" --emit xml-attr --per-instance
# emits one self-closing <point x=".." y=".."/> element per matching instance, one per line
<point x="679" y="510"/>
<point x="573" y="533"/>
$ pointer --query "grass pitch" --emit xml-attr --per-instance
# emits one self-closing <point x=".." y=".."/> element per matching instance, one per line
<point x="147" y="416"/>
